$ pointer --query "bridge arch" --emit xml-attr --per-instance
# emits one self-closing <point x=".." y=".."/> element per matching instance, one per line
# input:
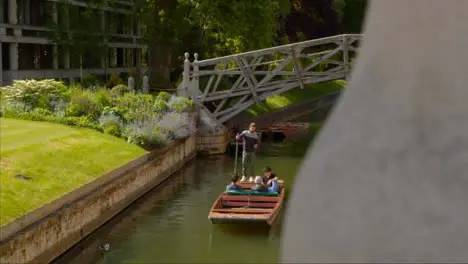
<point x="224" y="87"/>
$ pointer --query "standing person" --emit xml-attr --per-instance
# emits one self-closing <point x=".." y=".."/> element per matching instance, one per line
<point x="250" y="145"/>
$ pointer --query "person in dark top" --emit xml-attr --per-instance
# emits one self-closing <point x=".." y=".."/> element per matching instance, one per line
<point x="268" y="175"/>
<point x="250" y="145"/>
<point x="258" y="186"/>
<point x="234" y="186"/>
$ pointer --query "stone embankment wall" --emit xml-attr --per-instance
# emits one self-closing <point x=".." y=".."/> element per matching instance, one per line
<point x="212" y="143"/>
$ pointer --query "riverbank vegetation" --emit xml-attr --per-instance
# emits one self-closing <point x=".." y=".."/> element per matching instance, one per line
<point x="49" y="160"/>
<point x="295" y="96"/>
<point x="146" y="120"/>
<point x="211" y="28"/>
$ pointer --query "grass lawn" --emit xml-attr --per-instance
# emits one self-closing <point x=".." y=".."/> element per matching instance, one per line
<point x="57" y="158"/>
<point x="295" y="95"/>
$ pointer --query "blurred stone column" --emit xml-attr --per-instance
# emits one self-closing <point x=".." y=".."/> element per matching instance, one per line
<point x="385" y="181"/>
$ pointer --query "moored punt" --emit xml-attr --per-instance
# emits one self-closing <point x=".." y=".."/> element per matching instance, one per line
<point x="247" y="206"/>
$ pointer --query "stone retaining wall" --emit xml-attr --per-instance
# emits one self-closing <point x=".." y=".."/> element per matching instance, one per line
<point x="45" y="233"/>
<point x="213" y="143"/>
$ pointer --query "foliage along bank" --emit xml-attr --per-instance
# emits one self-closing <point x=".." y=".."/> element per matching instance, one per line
<point x="210" y="28"/>
<point x="146" y="120"/>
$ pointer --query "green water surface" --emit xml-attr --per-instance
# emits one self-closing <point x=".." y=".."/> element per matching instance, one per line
<point x="170" y="224"/>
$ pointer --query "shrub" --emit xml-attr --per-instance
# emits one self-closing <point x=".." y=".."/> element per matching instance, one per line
<point x="34" y="92"/>
<point x="147" y="140"/>
<point x="137" y="107"/>
<point x="107" y="120"/>
<point x="59" y="107"/>
<point x="83" y="105"/>
<point x="114" y="80"/>
<point x="88" y="80"/>
<point x="146" y="134"/>
<point x="119" y="90"/>
<point x="113" y="130"/>
<point x="181" y="104"/>
<point x="137" y="138"/>
<point x="10" y="109"/>
<point x="164" y="96"/>
<point x="114" y="111"/>
<point x="103" y="98"/>
<point x="78" y="121"/>
<point x="179" y="125"/>
<point x="42" y="112"/>
<point x="140" y="118"/>
<point x="32" y="116"/>
<point x="44" y="102"/>
<point x="160" y="106"/>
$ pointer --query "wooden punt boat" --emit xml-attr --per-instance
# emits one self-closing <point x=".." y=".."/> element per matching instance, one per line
<point x="247" y="207"/>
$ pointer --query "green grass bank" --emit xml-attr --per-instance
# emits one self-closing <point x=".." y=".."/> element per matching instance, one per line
<point x="42" y="161"/>
<point x="295" y="96"/>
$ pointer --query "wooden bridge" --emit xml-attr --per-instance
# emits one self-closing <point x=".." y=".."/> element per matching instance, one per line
<point x="224" y="87"/>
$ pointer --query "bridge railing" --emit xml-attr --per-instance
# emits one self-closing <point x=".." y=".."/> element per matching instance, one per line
<point x="226" y="86"/>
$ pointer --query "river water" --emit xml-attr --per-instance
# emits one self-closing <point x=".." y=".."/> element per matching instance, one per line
<point x="170" y="224"/>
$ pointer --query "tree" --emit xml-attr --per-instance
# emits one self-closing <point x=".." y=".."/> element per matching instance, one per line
<point x="204" y="26"/>
<point x="75" y="30"/>
<point x="353" y="16"/>
<point x="313" y="19"/>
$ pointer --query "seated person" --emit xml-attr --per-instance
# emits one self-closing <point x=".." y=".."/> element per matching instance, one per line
<point x="275" y="186"/>
<point x="268" y="175"/>
<point x="259" y="187"/>
<point x="234" y="186"/>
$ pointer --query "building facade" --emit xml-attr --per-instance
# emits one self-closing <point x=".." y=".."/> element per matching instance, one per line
<point x="28" y="52"/>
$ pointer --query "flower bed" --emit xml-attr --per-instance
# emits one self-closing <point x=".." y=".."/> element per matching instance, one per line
<point x="142" y="119"/>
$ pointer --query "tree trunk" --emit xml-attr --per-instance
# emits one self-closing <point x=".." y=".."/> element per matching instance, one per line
<point x="81" y="68"/>
<point x="160" y="50"/>
<point x="160" y="62"/>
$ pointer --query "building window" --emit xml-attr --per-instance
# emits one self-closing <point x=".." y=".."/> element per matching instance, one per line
<point x="5" y="56"/>
<point x="3" y="11"/>
<point x="120" y="57"/>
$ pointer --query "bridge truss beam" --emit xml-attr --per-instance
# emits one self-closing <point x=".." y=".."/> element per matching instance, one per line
<point x="223" y="87"/>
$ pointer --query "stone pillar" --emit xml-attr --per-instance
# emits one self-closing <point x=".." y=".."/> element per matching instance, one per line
<point x="1" y="13"/>
<point x="113" y="57"/>
<point x="103" y="28"/>
<point x="384" y="181"/>
<point x="131" y="84"/>
<point x="13" y="47"/>
<point x="66" y="51"/>
<point x="55" y="57"/>
<point x="12" y="12"/>
<point x="55" y="47"/>
<point x="145" y="84"/>
<point x="182" y="90"/>
<point x="2" y="18"/>
<point x="27" y="12"/>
